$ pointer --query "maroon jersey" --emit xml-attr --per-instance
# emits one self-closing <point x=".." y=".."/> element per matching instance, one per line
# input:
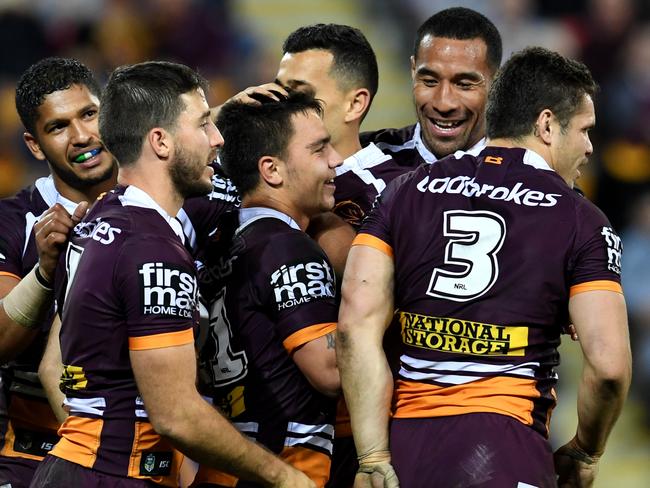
<point x="32" y="426"/>
<point x="131" y="286"/>
<point x="279" y="294"/>
<point x="487" y="252"/>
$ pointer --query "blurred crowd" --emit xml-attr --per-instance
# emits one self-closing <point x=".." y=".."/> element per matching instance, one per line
<point x="611" y="36"/>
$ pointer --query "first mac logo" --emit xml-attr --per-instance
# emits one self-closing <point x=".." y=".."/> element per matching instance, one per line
<point x="168" y="290"/>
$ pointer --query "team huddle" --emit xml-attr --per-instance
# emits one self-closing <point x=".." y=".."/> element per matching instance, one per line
<point x="257" y="294"/>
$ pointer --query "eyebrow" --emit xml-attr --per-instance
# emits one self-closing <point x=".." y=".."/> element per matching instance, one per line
<point x="293" y="84"/>
<point x="472" y="75"/>
<point x="319" y="143"/>
<point x="66" y="120"/>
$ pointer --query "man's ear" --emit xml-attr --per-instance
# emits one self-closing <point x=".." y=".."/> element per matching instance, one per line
<point x="412" y="67"/>
<point x="357" y="104"/>
<point x="33" y="146"/>
<point x="161" y="143"/>
<point x="544" y="126"/>
<point x="270" y="171"/>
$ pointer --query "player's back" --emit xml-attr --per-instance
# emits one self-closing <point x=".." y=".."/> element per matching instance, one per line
<point x="487" y="250"/>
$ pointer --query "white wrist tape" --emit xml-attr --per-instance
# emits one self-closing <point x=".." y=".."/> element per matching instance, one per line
<point x="29" y="302"/>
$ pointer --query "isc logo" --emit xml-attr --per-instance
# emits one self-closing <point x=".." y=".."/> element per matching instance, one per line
<point x="298" y="283"/>
<point x="168" y="290"/>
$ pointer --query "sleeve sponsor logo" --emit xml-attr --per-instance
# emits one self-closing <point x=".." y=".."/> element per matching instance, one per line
<point x="168" y="290"/>
<point x="467" y="186"/>
<point x="97" y="230"/>
<point x="295" y="284"/>
<point x="614" y="249"/>
<point x="452" y="335"/>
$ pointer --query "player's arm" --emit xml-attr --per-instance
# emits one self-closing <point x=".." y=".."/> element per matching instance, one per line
<point x="166" y="380"/>
<point x="365" y="313"/>
<point x="334" y="235"/>
<point x="49" y="371"/>
<point x="25" y="303"/>
<point x="317" y="361"/>
<point x="600" y="319"/>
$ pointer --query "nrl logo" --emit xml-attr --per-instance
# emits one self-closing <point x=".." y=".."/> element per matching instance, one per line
<point x="149" y="463"/>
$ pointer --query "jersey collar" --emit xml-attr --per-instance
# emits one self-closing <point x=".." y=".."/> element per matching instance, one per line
<point x="50" y="194"/>
<point x="430" y="158"/>
<point x="250" y="214"/>
<point x="135" y="197"/>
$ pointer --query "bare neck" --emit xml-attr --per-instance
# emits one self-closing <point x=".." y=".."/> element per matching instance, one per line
<point x="155" y="182"/>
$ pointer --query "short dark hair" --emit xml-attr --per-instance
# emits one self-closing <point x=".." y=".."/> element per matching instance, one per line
<point x="251" y="132"/>
<point x="45" y="77"/>
<point x="354" y="62"/>
<point x="138" y="98"/>
<point x="463" y="23"/>
<point x="531" y="81"/>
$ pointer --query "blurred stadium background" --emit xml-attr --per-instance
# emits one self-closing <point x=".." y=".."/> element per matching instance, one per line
<point x="237" y="43"/>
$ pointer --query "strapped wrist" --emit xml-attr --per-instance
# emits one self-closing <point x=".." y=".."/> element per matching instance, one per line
<point x="29" y="302"/>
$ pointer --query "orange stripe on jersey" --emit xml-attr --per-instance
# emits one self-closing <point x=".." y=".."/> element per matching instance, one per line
<point x="372" y="241"/>
<point x="210" y="476"/>
<point x="605" y="285"/>
<point x="79" y="440"/>
<point x="314" y="464"/>
<point x="158" y="341"/>
<point x="303" y="336"/>
<point x="8" y="450"/>
<point x="148" y="440"/>
<point x="503" y="395"/>
<point x="6" y="273"/>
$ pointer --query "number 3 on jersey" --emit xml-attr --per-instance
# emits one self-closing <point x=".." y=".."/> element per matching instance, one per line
<point x="475" y="238"/>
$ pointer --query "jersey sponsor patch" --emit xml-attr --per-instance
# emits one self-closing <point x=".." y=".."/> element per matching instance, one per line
<point x="156" y="463"/>
<point x="447" y="334"/>
<point x="168" y="290"/>
<point x="614" y="249"/>
<point x="469" y="188"/>
<point x="97" y="230"/>
<point x="300" y="282"/>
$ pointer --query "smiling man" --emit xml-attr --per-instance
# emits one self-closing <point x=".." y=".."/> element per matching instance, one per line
<point x="270" y="355"/>
<point x="58" y="102"/>
<point x="456" y="54"/>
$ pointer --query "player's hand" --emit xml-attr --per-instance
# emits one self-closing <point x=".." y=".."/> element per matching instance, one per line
<point x="574" y="467"/>
<point x="52" y="232"/>
<point x="294" y="479"/>
<point x="376" y="475"/>
<point x="571" y="330"/>
<point x="269" y="90"/>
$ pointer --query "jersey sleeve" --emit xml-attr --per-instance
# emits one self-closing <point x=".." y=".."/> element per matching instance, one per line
<point x="12" y="241"/>
<point x="158" y="289"/>
<point x="376" y="229"/>
<point x="301" y="289"/>
<point x="596" y="262"/>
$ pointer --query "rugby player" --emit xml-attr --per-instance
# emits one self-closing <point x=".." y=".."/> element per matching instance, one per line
<point x="57" y="101"/>
<point x="270" y="355"/>
<point x="462" y="250"/>
<point x="456" y="54"/>
<point x="130" y="303"/>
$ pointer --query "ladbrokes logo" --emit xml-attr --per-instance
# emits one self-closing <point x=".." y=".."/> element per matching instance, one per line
<point x="466" y="185"/>
<point x="301" y="282"/>
<point x="167" y="290"/>
<point x="462" y="336"/>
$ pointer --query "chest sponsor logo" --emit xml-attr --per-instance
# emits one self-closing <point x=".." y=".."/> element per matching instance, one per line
<point x="466" y="186"/>
<point x="614" y="249"/>
<point x="168" y="290"/>
<point x="452" y="335"/>
<point x="295" y="284"/>
<point x="156" y="464"/>
<point x="97" y="230"/>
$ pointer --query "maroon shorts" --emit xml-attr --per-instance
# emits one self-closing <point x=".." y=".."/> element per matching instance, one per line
<point x="55" y="472"/>
<point x="16" y="472"/>
<point x="474" y="450"/>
